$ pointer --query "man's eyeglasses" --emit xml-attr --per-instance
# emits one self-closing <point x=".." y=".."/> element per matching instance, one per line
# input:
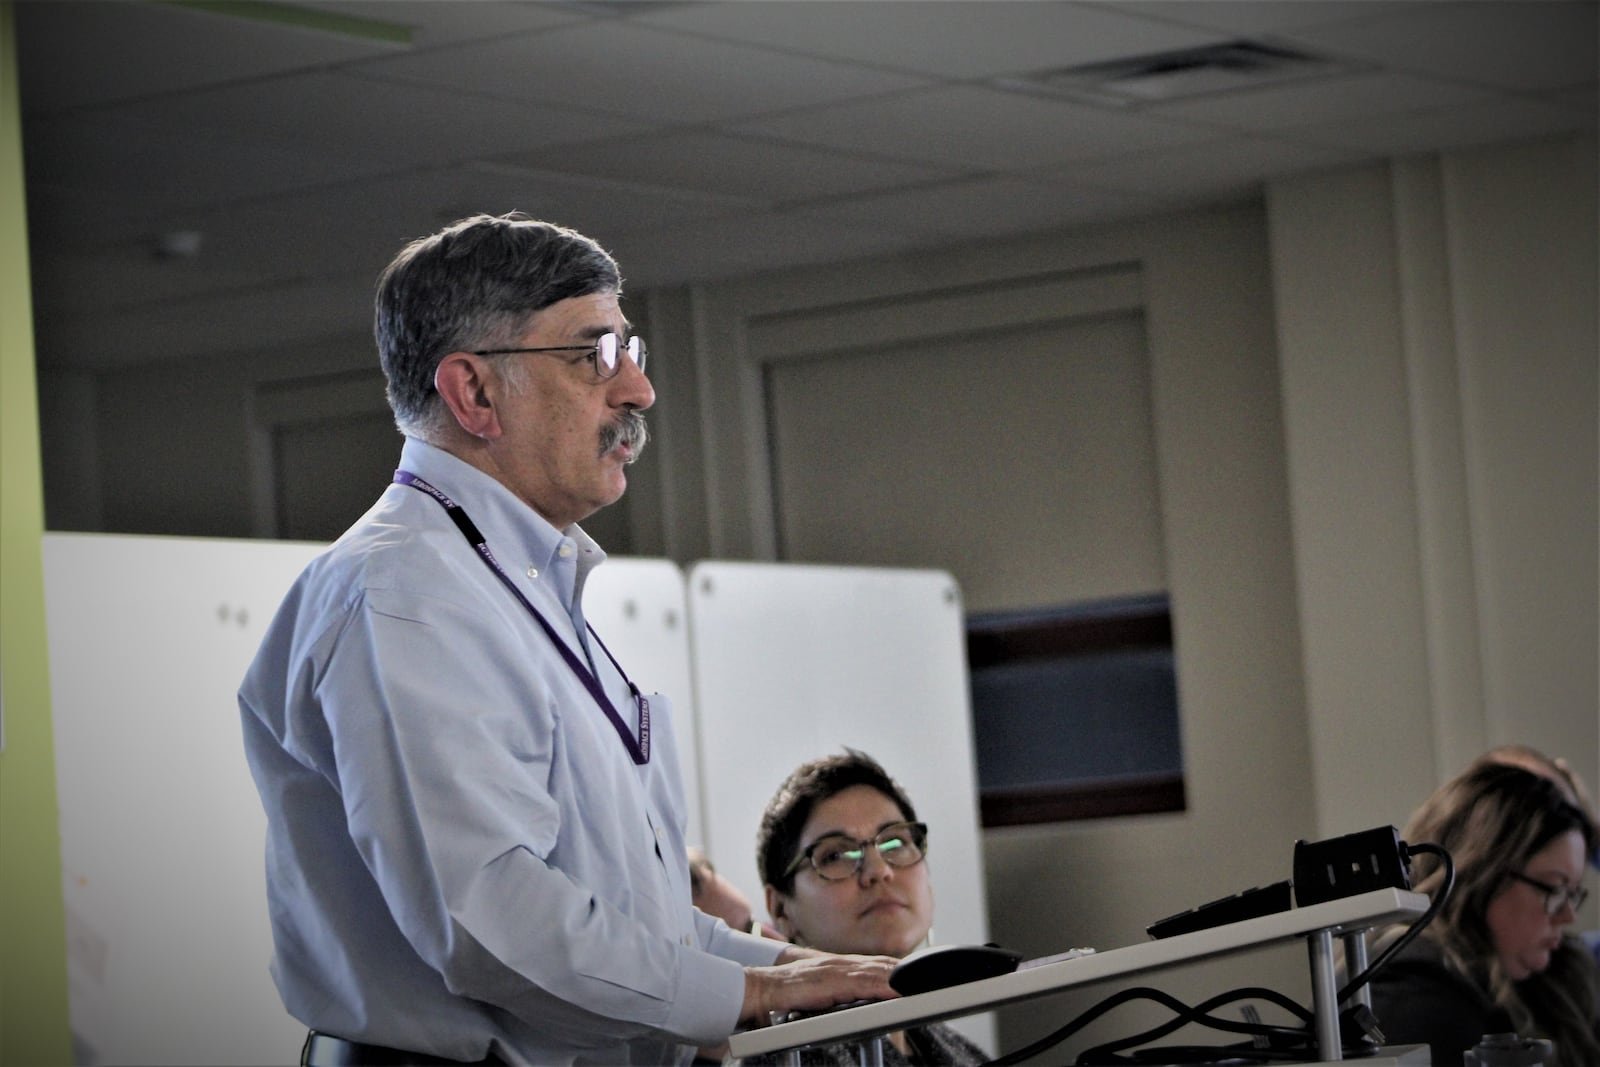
<point x="605" y="353"/>
<point x="836" y="857"/>
<point x="1556" y="897"/>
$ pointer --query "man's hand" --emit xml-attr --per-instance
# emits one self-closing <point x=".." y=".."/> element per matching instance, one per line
<point x="813" y="981"/>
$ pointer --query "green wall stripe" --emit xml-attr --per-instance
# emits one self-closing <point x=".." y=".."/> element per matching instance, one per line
<point x="34" y="1027"/>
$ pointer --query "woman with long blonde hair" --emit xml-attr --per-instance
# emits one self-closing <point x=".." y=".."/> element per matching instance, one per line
<point x="1497" y="958"/>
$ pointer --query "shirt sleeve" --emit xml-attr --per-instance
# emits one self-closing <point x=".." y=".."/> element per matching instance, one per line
<point x="444" y="757"/>
<point x="717" y="937"/>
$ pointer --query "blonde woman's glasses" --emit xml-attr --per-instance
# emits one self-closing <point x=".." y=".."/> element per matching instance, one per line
<point x="1556" y="897"/>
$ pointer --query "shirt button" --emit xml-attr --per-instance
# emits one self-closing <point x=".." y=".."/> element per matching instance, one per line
<point x="566" y="550"/>
<point x="533" y="572"/>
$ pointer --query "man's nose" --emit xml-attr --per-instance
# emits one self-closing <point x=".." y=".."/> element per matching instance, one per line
<point x="630" y="387"/>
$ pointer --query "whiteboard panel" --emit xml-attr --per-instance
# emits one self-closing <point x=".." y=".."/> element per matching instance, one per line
<point x="161" y="828"/>
<point x="793" y="662"/>
<point x="638" y="607"/>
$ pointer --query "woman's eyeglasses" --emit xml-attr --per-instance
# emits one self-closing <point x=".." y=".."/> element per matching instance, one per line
<point x="1556" y="897"/>
<point x="836" y="857"/>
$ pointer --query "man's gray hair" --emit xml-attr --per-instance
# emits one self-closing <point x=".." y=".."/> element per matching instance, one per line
<point x="473" y="285"/>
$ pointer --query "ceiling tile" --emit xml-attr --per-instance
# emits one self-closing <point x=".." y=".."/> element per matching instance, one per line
<point x="1224" y="167"/>
<point x="954" y="39"/>
<point x="1438" y="129"/>
<point x="740" y="246"/>
<point x="402" y="124"/>
<point x="597" y="206"/>
<point x="772" y="172"/>
<point x="109" y="278"/>
<point x="625" y="69"/>
<point x="123" y="51"/>
<point x="1508" y="44"/>
<point x="240" y="321"/>
<point x="1255" y="18"/>
<point x="71" y="219"/>
<point x="1585" y="98"/>
<point x="986" y="207"/>
<point x="1323" y="100"/>
<point x="975" y="128"/>
<point x="175" y="168"/>
<point x="442" y="22"/>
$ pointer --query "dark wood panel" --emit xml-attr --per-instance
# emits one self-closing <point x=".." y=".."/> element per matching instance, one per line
<point x="1068" y="801"/>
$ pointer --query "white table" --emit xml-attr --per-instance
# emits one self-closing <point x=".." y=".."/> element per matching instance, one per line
<point x="1319" y="924"/>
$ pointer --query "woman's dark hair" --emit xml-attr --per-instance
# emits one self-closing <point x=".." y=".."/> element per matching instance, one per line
<point x="778" y="839"/>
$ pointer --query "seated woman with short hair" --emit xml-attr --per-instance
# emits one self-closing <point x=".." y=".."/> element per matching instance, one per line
<point x="843" y="859"/>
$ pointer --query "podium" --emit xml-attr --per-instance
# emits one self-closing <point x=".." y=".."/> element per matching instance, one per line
<point x="1318" y="924"/>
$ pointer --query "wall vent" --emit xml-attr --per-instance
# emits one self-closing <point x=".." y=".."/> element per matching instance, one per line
<point x="1140" y="81"/>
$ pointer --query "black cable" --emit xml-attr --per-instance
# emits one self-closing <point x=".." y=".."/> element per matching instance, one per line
<point x="1185" y="1013"/>
<point x="1055" y="1037"/>
<point x="1201" y="1014"/>
<point x="1415" y="928"/>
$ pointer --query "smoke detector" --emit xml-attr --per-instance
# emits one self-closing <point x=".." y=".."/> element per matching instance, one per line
<point x="1139" y="81"/>
<point x="178" y="244"/>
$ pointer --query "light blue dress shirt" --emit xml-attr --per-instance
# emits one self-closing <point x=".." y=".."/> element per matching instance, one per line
<point x="462" y="857"/>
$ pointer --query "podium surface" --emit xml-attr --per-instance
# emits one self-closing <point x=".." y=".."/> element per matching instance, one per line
<point x="1319" y="921"/>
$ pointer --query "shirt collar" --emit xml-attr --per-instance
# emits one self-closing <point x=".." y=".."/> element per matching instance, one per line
<point x="521" y="538"/>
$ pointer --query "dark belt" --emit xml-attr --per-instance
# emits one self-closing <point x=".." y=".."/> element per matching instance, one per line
<point x="325" y="1050"/>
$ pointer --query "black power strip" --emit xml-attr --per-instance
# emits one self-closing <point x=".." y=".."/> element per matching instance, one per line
<point x="1250" y="904"/>
<point x="1345" y="866"/>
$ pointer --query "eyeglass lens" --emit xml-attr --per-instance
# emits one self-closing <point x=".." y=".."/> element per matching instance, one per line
<point x="837" y="857"/>
<point x="1556" y="897"/>
<point x="607" y="349"/>
<point x="1561" y="896"/>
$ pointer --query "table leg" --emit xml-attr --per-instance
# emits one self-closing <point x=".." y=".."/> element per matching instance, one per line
<point x="1355" y="961"/>
<point x="1323" y="992"/>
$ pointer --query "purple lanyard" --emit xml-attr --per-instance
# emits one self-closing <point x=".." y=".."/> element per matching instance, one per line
<point x="639" y="750"/>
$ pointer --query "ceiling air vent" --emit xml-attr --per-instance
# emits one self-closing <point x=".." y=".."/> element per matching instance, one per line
<point x="1153" y="79"/>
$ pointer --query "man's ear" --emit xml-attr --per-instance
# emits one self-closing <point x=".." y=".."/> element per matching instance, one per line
<point x="462" y="380"/>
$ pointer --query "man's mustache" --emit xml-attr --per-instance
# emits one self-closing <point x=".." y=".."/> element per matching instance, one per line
<point x="630" y="429"/>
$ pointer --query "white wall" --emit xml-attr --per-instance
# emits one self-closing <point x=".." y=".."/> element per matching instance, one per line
<point x="1437" y="333"/>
